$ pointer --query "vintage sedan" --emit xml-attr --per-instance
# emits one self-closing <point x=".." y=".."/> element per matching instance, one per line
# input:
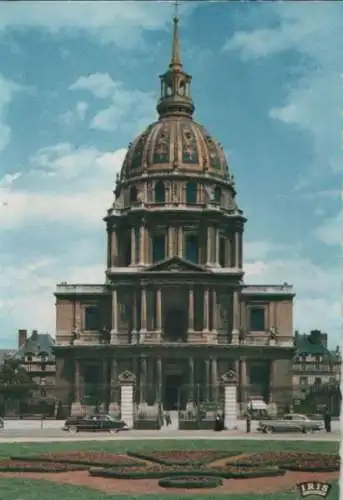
<point x="95" y="423"/>
<point x="293" y="422"/>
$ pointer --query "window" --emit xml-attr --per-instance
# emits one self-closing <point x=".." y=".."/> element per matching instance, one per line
<point x="317" y="381"/>
<point x="158" y="247"/>
<point x="217" y="194"/>
<point x="92" y="318"/>
<point x="257" y="323"/>
<point x="191" y="253"/>
<point x="160" y="192"/>
<point x="303" y="381"/>
<point x="191" y="192"/>
<point x="222" y="248"/>
<point x="133" y="194"/>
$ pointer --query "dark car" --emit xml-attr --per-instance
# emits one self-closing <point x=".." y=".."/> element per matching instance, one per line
<point x="96" y="423"/>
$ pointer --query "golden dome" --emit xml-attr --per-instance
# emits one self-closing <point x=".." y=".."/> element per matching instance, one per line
<point x="174" y="143"/>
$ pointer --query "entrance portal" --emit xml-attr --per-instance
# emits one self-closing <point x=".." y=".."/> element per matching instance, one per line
<point x="173" y="397"/>
<point x="176" y="324"/>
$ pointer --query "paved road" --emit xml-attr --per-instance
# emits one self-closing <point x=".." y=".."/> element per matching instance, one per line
<point x="55" y="435"/>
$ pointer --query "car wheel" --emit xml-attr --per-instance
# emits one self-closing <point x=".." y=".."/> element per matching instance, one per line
<point x="73" y="429"/>
<point x="269" y="430"/>
<point x="304" y="430"/>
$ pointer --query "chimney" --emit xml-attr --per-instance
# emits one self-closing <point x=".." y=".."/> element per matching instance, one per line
<point x="22" y="337"/>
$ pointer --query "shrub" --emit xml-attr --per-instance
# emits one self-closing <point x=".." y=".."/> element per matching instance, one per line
<point x="184" y="457"/>
<point x="37" y="466"/>
<point x="85" y="458"/>
<point x="190" y="482"/>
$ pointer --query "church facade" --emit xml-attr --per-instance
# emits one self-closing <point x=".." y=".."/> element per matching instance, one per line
<point x="174" y="311"/>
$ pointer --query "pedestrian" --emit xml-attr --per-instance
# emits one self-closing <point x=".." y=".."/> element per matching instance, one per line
<point x="167" y="419"/>
<point x="248" y="421"/>
<point x="218" y="426"/>
<point x="327" y="420"/>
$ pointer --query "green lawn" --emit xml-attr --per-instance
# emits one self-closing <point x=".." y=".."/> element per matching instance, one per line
<point x="244" y="445"/>
<point x="26" y="489"/>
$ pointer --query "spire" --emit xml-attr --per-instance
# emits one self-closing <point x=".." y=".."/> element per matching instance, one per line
<point x="175" y="61"/>
<point x="175" y="83"/>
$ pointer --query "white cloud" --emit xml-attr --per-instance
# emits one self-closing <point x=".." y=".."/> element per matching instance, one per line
<point x="65" y="184"/>
<point x="314" y="103"/>
<point x="317" y="289"/>
<point x="72" y="117"/>
<point x="119" y="22"/>
<point x="330" y="231"/>
<point x="125" y="105"/>
<point x="8" y="89"/>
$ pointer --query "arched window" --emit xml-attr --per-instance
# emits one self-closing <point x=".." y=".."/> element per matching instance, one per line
<point x="191" y="247"/>
<point x="217" y="194"/>
<point x="160" y="192"/>
<point x="92" y="318"/>
<point x="191" y="192"/>
<point x="158" y="247"/>
<point x="133" y="194"/>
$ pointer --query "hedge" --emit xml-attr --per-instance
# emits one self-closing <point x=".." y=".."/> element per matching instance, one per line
<point x="190" y="482"/>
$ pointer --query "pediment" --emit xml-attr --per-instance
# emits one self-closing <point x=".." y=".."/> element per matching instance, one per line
<point x="229" y="377"/>
<point x="176" y="264"/>
<point x="127" y="377"/>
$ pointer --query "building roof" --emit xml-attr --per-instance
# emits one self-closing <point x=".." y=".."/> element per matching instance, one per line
<point x="36" y="344"/>
<point x="305" y="346"/>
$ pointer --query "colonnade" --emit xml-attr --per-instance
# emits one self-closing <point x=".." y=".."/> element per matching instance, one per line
<point x="141" y="246"/>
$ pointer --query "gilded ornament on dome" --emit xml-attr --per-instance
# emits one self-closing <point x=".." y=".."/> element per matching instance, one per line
<point x="161" y="152"/>
<point x="189" y="146"/>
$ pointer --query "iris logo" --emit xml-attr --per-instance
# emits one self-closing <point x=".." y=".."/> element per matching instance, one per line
<point x="315" y="488"/>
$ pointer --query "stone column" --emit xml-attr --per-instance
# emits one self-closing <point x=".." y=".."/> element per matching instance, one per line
<point x="133" y="246"/>
<point x="236" y="249"/>
<point x="76" y="408"/>
<point x="191" y="382"/>
<point x="207" y="380"/>
<point x="134" y="318"/>
<point x="240" y="250"/>
<point x="114" y="248"/>
<point x="104" y="383"/>
<point x="217" y="246"/>
<point x="170" y="242"/>
<point x="141" y="244"/>
<point x="180" y="242"/>
<point x="158" y="380"/>
<point x="214" y="311"/>
<point x="114" y="331"/>
<point x="206" y="310"/>
<point x="243" y="380"/>
<point x="147" y="259"/>
<point x="143" y="379"/>
<point x="191" y="310"/>
<point x="159" y="310"/>
<point x="214" y="380"/>
<point x="208" y="247"/>
<point x="114" y="408"/>
<point x="236" y="317"/>
<point x="143" y="310"/>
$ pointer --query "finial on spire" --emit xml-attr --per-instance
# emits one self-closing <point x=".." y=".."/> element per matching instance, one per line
<point x="175" y="57"/>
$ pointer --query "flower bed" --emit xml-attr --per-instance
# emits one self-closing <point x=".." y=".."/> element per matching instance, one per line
<point x="291" y="459"/>
<point x="184" y="457"/>
<point x="190" y="482"/>
<point x="91" y="458"/>
<point x="37" y="466"/>
<point x="161" y="470"/>
<point x="311" y="467"/>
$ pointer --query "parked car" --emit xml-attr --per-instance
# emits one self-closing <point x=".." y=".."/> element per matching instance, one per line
<point x="293" y="422"/>
<point x="96" y="423"/>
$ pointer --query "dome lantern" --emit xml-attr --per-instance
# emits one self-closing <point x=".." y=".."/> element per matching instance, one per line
<point x="175" y="83"/>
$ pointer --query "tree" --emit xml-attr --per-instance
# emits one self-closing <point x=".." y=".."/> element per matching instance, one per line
<point x="15" y="383"/>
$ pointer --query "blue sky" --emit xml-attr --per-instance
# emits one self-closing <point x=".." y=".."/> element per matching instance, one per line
<point x="79" y="80"/>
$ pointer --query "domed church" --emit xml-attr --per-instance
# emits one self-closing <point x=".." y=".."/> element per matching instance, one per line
<point x="174" y="327"/>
